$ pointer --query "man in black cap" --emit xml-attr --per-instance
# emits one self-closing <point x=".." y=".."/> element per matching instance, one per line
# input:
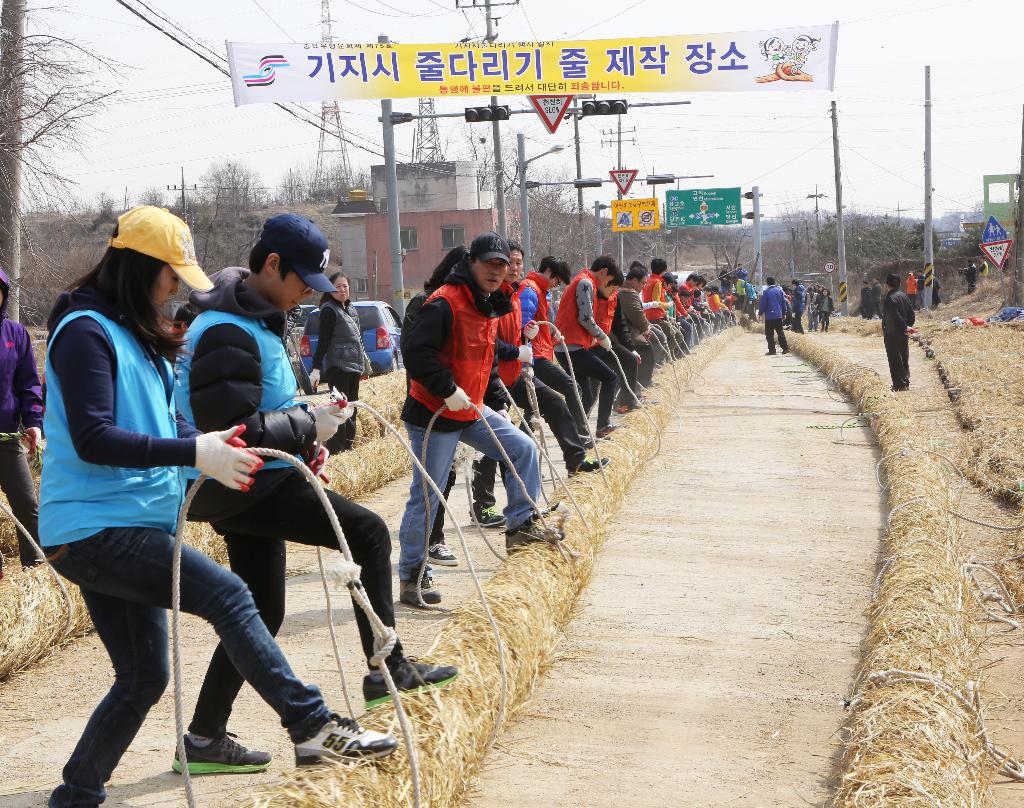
<point x="454" y="391"/>
<point x="235" y="370"/>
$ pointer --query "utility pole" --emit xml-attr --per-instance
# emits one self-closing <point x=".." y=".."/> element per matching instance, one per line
<point x="499" y="167"/>
<point x="184" y="189"/>
<point x="755" y="199"/>
<point x="792" y="251"/>
<point x="840" y="233"/>
<point x="391" y="189"/>
<point x="579" y="169"/>
<point x="12" y="82"/>
<point x="600" y="232"/>
<point x="618" y="165"/>
<point x="524" y="201"/>
<point x="929" y="248"/>
<point x="817" y="215"/>
<point x="1017" y="284"/>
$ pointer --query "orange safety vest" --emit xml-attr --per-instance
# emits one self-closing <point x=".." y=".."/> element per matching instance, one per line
<point x="647" y="296"/>
<point x="510" y="330"/>
<point x="604" y="311"/>
<point x="911" y="283"/>
<point x="468" y="352"/>
<point x="543" y="347"/>
<point x="568" y="320"/>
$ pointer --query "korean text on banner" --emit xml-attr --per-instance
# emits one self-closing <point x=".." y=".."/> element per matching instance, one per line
<point x="767" y="61"/>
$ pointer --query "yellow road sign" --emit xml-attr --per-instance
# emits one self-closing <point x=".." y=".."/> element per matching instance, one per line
<point x="635" y="214"/>
<point x="842" y="292"/>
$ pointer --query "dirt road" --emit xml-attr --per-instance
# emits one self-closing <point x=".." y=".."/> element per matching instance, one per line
<point x="720" y="634"/>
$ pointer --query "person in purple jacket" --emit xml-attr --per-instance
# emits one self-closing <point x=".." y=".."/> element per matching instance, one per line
<point x="21" y="419"/>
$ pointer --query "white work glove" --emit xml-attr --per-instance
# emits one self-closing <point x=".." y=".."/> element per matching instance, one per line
<point x="458" y="400"/>
<point x="314" y="378"/>
<point x="505" y="414"/>
<point x="221" y="456"/>
<point x="531" y="330"/>
<point x="556" y="335"/>
<point x="639" y="360"/>
<point x="526" y="354"/>
<point x="316" y="465"/>
<point x="605" y="342"/>
<point x="33" y="435"/>
<point x="329" y="419"/>
<point x="646" y="336"/>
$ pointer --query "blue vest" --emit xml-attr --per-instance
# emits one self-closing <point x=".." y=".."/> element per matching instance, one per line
<point x="79" y="499"/>
<point x="278" y="379"/>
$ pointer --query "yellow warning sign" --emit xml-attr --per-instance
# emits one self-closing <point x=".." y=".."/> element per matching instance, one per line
<point x="635" y="214"/>
<point x="842" y="292"/>
<point x="929" y="274"/>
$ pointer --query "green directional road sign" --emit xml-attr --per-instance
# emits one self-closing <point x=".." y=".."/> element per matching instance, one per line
<point x="702" y="206"/>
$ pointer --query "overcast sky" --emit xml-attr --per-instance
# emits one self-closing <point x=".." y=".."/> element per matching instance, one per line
<point x="175" y="111"/>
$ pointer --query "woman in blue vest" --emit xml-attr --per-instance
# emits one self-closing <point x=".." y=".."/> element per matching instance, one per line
<point x="112" y="486"/>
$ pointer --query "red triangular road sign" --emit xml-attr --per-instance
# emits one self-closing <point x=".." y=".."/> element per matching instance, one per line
<point x="997" y="251"/>
<point x="551" y="109"/>
<point x="623" y="178"/>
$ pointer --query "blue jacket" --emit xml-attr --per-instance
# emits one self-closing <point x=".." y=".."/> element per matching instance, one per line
<point x="799" y="298"/>
<point x="772" y="304"/>
<point x="78" y="499"/>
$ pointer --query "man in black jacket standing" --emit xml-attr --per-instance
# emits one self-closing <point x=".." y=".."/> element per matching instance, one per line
<point x="236" y="371"/>
<point x="897" y="317"/>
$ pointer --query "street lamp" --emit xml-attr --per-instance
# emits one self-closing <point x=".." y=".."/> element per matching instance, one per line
<point x="524" y="201"/>
<point x="598" y="207"/>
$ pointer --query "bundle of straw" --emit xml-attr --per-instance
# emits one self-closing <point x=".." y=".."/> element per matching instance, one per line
<point x="34" y="618"/>
<point x="911" y="743"/>
<point x="532" y="597"/>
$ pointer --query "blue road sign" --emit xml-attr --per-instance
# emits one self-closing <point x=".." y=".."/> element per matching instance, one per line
<point x="994" y="231"/>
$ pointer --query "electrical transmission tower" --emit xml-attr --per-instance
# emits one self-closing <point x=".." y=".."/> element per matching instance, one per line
<point x="426" y="143"/>
<point x="332" y="133"/>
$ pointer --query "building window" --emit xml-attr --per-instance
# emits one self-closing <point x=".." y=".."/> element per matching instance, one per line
<point x="361" y="284"/>
<point x="409" y="238"/>
<point x="452" y="235"/>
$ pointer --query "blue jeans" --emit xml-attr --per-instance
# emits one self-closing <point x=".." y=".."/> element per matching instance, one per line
<point x="687" y="332"/>
<point x="520" y="449"/>
<point x="125" y="578"/>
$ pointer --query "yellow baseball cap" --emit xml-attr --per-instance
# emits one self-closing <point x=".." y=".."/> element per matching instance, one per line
<point x="160" y="234"/>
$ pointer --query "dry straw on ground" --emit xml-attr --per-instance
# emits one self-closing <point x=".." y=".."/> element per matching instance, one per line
<point x="911" y="744"/>
<point x="34" y="619"/>
<point x="532" y="595"/>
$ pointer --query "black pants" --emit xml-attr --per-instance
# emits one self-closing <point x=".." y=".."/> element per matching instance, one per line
<point x="798" y="322"/>
<point x="824" y="317"/>
<point x="627" y="382"/>
<point x="437" y="531"/>
<point x="897" y="351"/>
<point x="773" y="329"/>
<point x="587" y="366"/>
<point x="347" y="383"/>
<point x="16" y="482"/>
<point x="645" y="373"/>
<point x="256" y="551"/>
<point x="555" y="377"/>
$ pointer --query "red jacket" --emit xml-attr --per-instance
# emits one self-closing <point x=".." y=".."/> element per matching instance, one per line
<point x="647" y="296"/>
<point x="469" y="352"/>
<point x="604" y="310"/>
<point x="568" y="320"/>
<point x="510" y="330"/>
<point x="543" y="346"/>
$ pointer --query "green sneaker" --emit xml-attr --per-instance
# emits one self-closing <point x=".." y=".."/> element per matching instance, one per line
<point x="410" y="677"/>
<point x="222" y="756"/>
<point x="488" y="517"/>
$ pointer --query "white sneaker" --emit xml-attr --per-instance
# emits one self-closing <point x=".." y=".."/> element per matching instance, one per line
<point x="342" y="738"/>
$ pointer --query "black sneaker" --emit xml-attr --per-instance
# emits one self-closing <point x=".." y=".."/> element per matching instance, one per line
<point x="488" y="517"/>
<point x="342" y="738"/>
<point x="770" y="353"/>
<point x="442" y="556"/>
<point x="586" y="441"/>
<point x="410" y="677"/>
<point x="590" y="465"/>
<point x="407" y="592"/>
<point x="532" y="531"/>
<point x="605" y="431"/>
<point x="222" y="756"/>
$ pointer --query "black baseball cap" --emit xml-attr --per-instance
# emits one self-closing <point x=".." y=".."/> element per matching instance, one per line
<point x="302" y="247"/>
<point x="487" y="246"/>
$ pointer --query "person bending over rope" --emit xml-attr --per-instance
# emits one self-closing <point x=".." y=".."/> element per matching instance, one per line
<point x="111" y="492"/>
<point x="553" y="409"/>
<point x="236" y="370"/>
<point x="449" y="356"/>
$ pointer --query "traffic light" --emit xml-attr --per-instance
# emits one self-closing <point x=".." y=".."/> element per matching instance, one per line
<point x="492" y="113"/>
<point x="748" y="195"/>
<point x="604" y="107"/>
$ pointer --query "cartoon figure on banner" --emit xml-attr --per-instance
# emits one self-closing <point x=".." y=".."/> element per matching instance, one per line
<point x="787" y="61"/>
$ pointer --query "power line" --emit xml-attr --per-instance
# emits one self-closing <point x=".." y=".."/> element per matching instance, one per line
<point x="276" y="23"/>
